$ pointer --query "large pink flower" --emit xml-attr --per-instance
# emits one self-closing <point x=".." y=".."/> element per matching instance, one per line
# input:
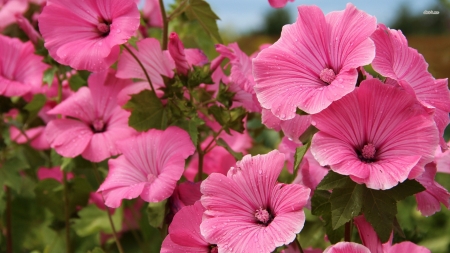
<point x="21" y="70"/>
<point x="315" y="60"/>
<point x="378" y="134"/>
<point x="86" y="34"/>
<point x="394" y="59"/>
<point x="184" y="232"/>
<point x="248" y="210"/>
<point x="94" y="121"/>
<point x="150" y="166"/>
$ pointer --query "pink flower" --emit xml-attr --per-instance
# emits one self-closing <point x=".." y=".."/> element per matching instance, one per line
<point x="54" y="173"/>
<point x="94" y="121"/>
<point x="21" y="70"/>
<point x="378" y="134"/>
<point x="315" y="61"/>
<point x="248" y="210"/>
<point x="8" y="11"/>
<point x="185" y="194"/>
<point x="152" y="13"/>
<point x="292" y="128"/>
<point x="442" y="160"/>
<point x="370" y="239"/>
<point x="184" y="232"/>
<point x="85" y="34"/>
<point x="150" y="166"/>
<point x="176" y="50"/>
<point x="152" y="57"/>
<point x="394" y="59"/>
<point x="29" y="30"/>
<point x="34" y="135"/>
<point x="279" y="3"/>
<point x="429" y="201"/>
<point x="347" y="247"/>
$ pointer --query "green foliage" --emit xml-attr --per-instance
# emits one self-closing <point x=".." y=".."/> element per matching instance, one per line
<point x="156" y="213"/>
<point x="49" y="74"/>
<point x="229" y="119"/>
<point x="93" y="220"/>
<point x="225" y="96"/>
<point x="298" y="156"/>
<point x="9" y="172"/>
<point x="237" y="155"/>
<point x="147" y="111"/>
<point x="76" y="82"/>
<point x="201" y="11"/>
<point x="35" y="105"/>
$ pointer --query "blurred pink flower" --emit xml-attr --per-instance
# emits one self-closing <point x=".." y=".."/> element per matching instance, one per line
<point x="347" y="247"/>
<point x="86" y="34"/>
<point x="8" y="11"/>
<point x="151" y="164"/>
<point x="94" y="121"/>
<point x="185" y="194"/>
<point x="248" y="210"/>
<point x="152" y="13"/>
<point x="429" y="201"/>
<point x="394" y="59"/>
<point x="54" y="173"/>
<point x="21" y="71"/>
<point x="315" y="60"/>
<point x="279" y="3"/>
<point x="378" y="134"/>
<point x="184" y="232"/>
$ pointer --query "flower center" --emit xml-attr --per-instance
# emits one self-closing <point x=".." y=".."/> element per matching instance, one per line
<point x="214" y="249"/>
<point x="263" y="216"/>
<point x="98" y="126"/>
<point x="368" y="153"/>
<point x="103" y="28"/>
<point x="151" y="178"/>
<point x="327" y="75"/>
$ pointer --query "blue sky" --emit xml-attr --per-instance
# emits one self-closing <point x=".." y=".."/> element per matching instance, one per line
<point x="245" y="15"/>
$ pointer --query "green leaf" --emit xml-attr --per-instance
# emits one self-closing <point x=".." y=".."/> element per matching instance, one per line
<point x="320" y="202"/>
<point x="299" y="154"/>
<point x="379" y="209"/>
<point x="237" y="116"/>
<point x="49" y="193"/>
<point x="66" y="164"/>
<point x="94" y="220"/>
<point x="35" y="105"/>
<point x="237" y="155"/>
<point x="55" y="158"/>
<point x="225" y="96"/>
<point x="346" y="203"/>
<point x="220" y="114"/>
<point x="96" y="250"/>
<point x="201" y="11"/>
<point x="147" y="111"/>
<point x="334" y="235"/>
<point x="156" y="213"/>
<point x="9" y="172"/>
<point x="133" y="40"/>
<point x="199" y="75"/>
<point x="191" y="126"/>
<point x="49" y="74"/>
<point x="405" y="189"/>
<point x="76" y="82"/>
<point x="333" y="180"/>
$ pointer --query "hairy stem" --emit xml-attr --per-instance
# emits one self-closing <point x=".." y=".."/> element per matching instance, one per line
<point x="141" y="65"/>
<point x="108" y="210"/>
<point x="9" y="240"/>
<point x="165" y="35"/>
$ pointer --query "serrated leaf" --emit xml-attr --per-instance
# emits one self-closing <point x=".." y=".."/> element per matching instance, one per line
<point x="346" y="203"/>
<point x="220" y="114"/>
<point x="93" y="220"/>
<point x="334" y="180"/>
<point x="199" y="75"/>
<point x="320" y="202"/>
<point x="156" y="213"/>
<point x="405" y="189"/>
<point x="49" y="74"/>
<point x="379" y="209"/>
<point x="237" y="116"/>
<point x="147" y="111"/>
<point x="201" y="11"/>
<point x="237" y="155"/>
<point x="299" y="154"/>
<point x="76" y="82"/>
<point x="35" y="105"/>
<point x="334" y="235"/>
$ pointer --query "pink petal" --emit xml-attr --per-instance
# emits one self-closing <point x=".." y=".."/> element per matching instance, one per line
<point x="176" y="50"/>
<point x="68" y="137"/>
<point x="278" y="3"/>
<point x="408" y="247"/>
<point x="368" y="236"/>
<point x="155" y="62"/>
<point x="80" y="106"/>
<point x="8" y="11"/>
<point x="55" y="173"/>
<point x="429" y="201"/>
<point x="347" y="247"/>
<point x="152" y="12"/>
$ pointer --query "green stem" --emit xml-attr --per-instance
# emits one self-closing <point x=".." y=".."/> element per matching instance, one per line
<point x="297" y="240"/>
<point x="348" y="231"/>
<point x="200" y="160"/>
<point x="212" y="141"/>
<point x="180" y="9"/>
<point x="108" y="210"/>
<point x="66" y="212"/>
<point x="141" y="65"/>
<point x="9" y="242"/>
<point x="165" y="35"/>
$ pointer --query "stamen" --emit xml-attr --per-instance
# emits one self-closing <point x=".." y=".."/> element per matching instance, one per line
<point x="327" y="75"/>
<point x="103" y="28"/>
<point x="368" y="153"/>
<point x="98" y="125"/>
<point x="263" y="216"/>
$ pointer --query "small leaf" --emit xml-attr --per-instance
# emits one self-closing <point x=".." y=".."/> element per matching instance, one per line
<point x="35" y="105"/>
<point x="334" y="235"/>
<point x="405" y="189"/>
<point x="94" y="220"/>
<point x="76" y="82"/>
<point x="334" y="180"/>
<point x="191" y="126"/>
<point x="66" y="164"/>
<point x="346" y="203"/>
<point x="96" y="250"/>
<point x="220" y="114"/>
<point x="9" y="172"/>
<point x="237" y="155"/>
<point x="299" y="154"/>
<point x="147" y="111"/>
<point x="55" y="158"/>
<point x="49" y="74"/>
<point x="320" y="202"/>
<point x="237" y="116"/>
<point x="156" y="213"/>
<point x="133" y="40"/>
<point x="201" y="11"/>
<point x="225" y="96"/>
<point x="379" y="209"/>
<point x="199" y="75"/>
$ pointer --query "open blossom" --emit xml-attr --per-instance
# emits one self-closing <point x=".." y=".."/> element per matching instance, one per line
<point x="151" y="164"/>
<point x="21" y="70"/>
<point x="152" y="13"/>
<point x="94" y="121"/>
<point x="184" y="232"/>
<point x="378" y="134"/>
<point x="394" y="59"/>
<point x="248" y="210"/>
<point x="315" y="60"/>
<point x="86" y="34"/>
<point x="429" y="201"/>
